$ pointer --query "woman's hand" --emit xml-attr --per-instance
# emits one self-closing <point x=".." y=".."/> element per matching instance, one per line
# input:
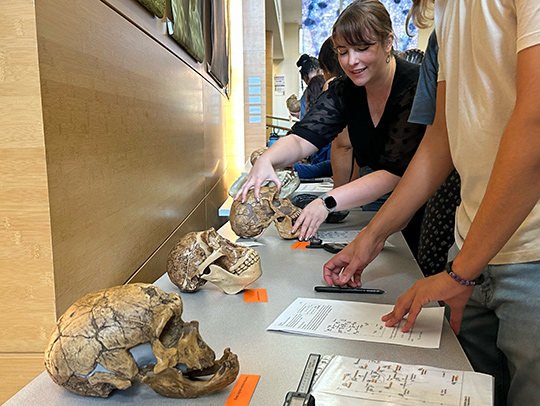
<point x="261" y="171"/>
<point x="437" y="287"/>
<point x="310" y="219"/>
<point x="346" y="267"/>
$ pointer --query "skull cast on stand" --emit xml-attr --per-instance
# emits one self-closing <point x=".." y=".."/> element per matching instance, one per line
<point x="207" y="256"/>
<point x="251" y="218"/>
<point x="108" y="339"/>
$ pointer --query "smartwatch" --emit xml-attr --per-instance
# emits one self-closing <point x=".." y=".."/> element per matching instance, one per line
<point x="329" y="202"/>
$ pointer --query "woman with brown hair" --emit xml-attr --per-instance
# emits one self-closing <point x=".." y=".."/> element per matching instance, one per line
<point x="373" y="100"/>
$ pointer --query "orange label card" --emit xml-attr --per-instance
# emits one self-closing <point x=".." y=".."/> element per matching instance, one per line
<point x="300" y="245"/>
<point x="255" y="295"/>
<point x="243" y="390"/>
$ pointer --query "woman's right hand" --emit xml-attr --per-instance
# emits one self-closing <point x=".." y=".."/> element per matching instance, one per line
<point x="261" y="171"/>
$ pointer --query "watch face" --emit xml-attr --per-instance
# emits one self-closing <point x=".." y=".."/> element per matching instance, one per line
<point x="330" y="202"/>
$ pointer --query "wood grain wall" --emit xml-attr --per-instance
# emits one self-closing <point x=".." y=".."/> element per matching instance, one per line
<point x="127" y="154"/>
<point x="26" y="273"/>
<point x="112" y="148"/>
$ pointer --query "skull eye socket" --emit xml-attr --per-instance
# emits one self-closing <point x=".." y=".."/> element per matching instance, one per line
<point x="171" y="332"/>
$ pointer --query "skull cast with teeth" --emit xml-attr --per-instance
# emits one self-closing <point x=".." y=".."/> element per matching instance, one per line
<point x="114" y="337"/>
<point x="288" y="177"/>
<point x="207" y="256"/>
<point x="251" y="218"/>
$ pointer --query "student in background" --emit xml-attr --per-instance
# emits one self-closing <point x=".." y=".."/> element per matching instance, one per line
<point x="319" y="165"/>
<point x="309" y="67"/>
<point x="437" y="228"/>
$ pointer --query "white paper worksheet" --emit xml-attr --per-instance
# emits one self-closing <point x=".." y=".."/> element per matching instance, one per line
<point x="347" y="381"/>
<point x="358" y="321"/>
<point x="342" y="237"/>
<point x="337" y="236"/>
<point x="319" y="187"/>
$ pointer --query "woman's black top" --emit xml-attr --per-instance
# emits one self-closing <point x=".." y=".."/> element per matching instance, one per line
<point x="389" y="146"/>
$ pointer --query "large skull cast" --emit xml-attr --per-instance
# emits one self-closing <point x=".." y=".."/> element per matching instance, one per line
<point x="251" y="218"/>
<point x="288" y="177"/>
<point x="97" y="343"/>
<point x="206" y="256"/>
<point x="256" y="154"/>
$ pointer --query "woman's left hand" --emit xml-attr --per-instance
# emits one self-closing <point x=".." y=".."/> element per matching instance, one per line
<point x="310" y="219"/>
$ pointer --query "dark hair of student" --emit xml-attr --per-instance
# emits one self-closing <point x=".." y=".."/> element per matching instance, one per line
<point x="307" y="65"/>
<point x="363" y="22"/>
<point x="314" y="90"/>
<point x="328" y="59"/>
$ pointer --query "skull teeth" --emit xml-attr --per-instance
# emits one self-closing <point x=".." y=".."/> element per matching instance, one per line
<point x="251" y="259"/>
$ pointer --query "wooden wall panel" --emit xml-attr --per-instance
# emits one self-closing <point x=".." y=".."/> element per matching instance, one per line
<point x="205" y="215"/>
<point x="156" y="265"/>
<point x="16" y="372"/>
<point x="26" y="272"/>
<point x="26" y="281"/>
<point x="214" y="137"/>
<point x="124" y="136"/>
<point x="112" y="147"/>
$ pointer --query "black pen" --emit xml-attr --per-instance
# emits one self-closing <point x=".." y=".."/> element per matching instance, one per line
<point x="339" y="289"/>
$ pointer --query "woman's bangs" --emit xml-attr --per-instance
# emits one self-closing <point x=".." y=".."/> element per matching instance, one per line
<point x="354" y="32"/>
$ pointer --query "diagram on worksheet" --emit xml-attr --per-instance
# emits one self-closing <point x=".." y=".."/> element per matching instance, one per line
<point x="358" y="321"/>
<point x="402" y="384"/>
<point x="345" y="326"/>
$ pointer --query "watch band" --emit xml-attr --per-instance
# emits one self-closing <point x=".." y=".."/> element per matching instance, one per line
<point x="460" y="280"/>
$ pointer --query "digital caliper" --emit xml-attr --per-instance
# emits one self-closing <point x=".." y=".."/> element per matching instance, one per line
<point x="302" y="397"/>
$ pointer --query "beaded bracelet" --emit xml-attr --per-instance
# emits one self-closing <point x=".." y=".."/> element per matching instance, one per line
<point x="461" y="281"/>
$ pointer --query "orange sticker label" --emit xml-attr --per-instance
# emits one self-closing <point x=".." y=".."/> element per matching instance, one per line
<point x="243" y="390"/>
<point x="255" y="295"/>
<point x="300" y="245"/>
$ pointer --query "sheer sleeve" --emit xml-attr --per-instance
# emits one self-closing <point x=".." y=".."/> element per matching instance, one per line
<point x="325" y="119"/>
<point x="403" y="137"/>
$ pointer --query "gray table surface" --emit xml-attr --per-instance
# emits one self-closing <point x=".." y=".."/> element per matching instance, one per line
<point x="279" y="358"/>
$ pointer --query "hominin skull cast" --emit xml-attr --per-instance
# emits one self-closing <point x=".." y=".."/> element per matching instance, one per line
<point x="251" y="218"/>
<point x="111" y="338"/>
<point x="288" y="177"/>
<point x="207" y="256"/>
<point x="256" y="154"/>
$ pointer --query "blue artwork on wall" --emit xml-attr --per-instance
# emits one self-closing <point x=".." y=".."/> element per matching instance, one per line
<point x="318" y="17"/>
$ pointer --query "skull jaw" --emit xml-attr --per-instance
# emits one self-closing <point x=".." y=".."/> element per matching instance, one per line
<point x="187" y="347"/>
<point x="284" y="228"/>
<point x="289" y="182"/>
<point x="230" y="283"/>
<point x="172" y="383"/>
